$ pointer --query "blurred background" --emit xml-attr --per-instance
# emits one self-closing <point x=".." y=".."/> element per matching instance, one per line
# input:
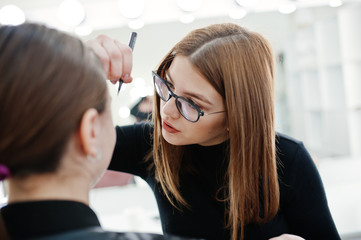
<point x="317" y="47"/>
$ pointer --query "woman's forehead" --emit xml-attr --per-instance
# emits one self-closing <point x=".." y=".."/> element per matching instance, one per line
<point x="183" y="72"/>
<point x="185" y="78"/>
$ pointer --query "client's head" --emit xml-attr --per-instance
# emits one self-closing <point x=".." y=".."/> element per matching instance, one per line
<point x="55" y="107"/>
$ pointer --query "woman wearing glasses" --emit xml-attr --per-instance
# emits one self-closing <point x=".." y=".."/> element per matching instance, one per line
<point x="216" y="165"/>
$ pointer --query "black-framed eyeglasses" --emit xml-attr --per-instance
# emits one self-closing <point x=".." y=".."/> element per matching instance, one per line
<point x="186" y="108"/>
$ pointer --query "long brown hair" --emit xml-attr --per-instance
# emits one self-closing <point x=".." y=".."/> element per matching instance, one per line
<point x="239" y="65"/>
<point x="48" y="79"/>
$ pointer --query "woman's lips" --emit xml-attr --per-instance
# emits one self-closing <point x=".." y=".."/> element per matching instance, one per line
<point x="169" y="128"/>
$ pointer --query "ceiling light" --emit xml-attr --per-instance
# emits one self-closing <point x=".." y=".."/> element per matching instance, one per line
<point x="189" y="5"/>
<point x="11" y="15"/>
<point x="71" y="12"/>
<point x="237" y="13"/>
<point x="246" y="3"/>
<point x="287" y="8"/>
<point x="131" y="8"/>
<point x="124" y="112"/>
<point x="140" y="89"/>
<point x="335" y="3"/>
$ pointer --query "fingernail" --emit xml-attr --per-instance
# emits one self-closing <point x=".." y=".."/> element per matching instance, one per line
<point x="126" y="77"/>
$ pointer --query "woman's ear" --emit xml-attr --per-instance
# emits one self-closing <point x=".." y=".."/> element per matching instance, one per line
<point x="88" y="132"/>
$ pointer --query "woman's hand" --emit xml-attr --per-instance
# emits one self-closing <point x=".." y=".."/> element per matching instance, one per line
<point x="117" y="58"/>
<point x="287" y="237"/>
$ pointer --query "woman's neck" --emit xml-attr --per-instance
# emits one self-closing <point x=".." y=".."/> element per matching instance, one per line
<point x="49" y="187"/>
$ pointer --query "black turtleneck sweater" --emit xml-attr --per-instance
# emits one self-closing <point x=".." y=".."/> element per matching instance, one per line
<point x="35" y="219"/>
<point x="61" y="220"/>
<point x="303" y="207"/>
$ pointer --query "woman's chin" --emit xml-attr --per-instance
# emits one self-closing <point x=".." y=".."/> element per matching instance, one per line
<point x="172" y="139"/>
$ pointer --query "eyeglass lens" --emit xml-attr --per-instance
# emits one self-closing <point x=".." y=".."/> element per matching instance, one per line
<point x="186" y="108"/>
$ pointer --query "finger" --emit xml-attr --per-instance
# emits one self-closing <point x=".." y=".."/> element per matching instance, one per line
<point x="115" y="59"/>
<point x="127" y="61"/>
<point x="95" y="45"/>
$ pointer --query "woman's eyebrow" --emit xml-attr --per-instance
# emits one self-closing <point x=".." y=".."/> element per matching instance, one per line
<point x="168" y="78"/>
<point x="191" y="94"/>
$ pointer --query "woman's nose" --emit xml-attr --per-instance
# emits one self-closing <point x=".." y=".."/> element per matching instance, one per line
<point x="170" y="109"/>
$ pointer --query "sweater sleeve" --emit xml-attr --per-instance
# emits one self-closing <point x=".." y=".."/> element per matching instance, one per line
<point x="306" y="209"/>
<point x="132" y="146"/>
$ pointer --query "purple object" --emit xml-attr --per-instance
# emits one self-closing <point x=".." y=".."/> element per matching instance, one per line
<point x="4" y="172"/>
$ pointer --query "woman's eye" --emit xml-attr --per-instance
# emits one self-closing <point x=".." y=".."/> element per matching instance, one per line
<point x="170" y="85"/>
<point x="194" y="103"/>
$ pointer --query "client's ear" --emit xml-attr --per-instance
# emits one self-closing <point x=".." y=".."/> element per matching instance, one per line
<point x="88" y="132"/>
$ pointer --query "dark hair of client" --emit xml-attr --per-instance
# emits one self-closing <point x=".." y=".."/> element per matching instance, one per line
<point x="48" y="80"/>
